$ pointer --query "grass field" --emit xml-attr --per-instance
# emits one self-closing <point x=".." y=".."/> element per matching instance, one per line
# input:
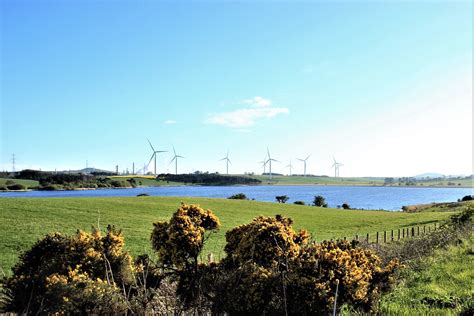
<point x="24" y="220"/>
<point x="444" y="285"/>
<point x="28" y="183"/>
<point x="286" y="180"/>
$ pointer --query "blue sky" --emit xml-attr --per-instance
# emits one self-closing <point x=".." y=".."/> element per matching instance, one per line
<point x="385" y="87"/>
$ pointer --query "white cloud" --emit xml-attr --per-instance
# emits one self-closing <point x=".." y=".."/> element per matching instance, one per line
<point x="258" y="102"/>
<point x="245" y="117"/>
<point x="169" y="122"/>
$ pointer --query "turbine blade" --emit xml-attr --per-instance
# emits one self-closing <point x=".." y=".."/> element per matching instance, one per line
<point x="308" y="157"/>
<point x="151" y="159"/>
<point x="151" y="145"/>
<point x="172" y="160"/>
<point x="161" y="151"/>
<point x="174" y="151"/>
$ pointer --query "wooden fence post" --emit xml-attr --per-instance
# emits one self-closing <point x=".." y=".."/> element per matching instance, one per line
<point x="424" y="229"/>
<point x="418" y="230"/>
<point x="435" y="226"/>
<point x="413" y="232"/>
<point x="392" y="235"/>
<point x="384" y="236"/>
<point x="398" y="234"/>
<point x="367" y="237"/>
<point x="403" y="233"/>
<point x="357" y="237"/>
<point x="377" y="238"/>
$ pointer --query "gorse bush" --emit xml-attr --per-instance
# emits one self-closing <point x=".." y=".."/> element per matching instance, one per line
<point x="84" y="272"/>
<point x="179" y="241"/>
<point x="269" y="268"/>
<point x="178" y="244"/>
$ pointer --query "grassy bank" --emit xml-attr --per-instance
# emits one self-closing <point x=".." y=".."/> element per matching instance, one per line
<point x="442" y="286"/>
<point x="24" y="220"/>
<point x="28" y="183"/>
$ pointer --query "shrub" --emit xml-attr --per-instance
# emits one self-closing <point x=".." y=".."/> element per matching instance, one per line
<point x="238" y="196"/>
<point x="271" y="269"/>
<point x="9" y="182"/>
<point x="119" y="184"/>
<point x="178" y="244"/>
<point x="50" y="187"/>
<point x="320" y="201"/>
<point x="16" y="187"/>
<point x="357" y="272"/>
<point x="3" y="188"/>
<point x="81" y="273"/>
<point x="299" y="203"/>
<point x="282" y="198"/>
<point x="346" y="206"/>
<point x="143" y="194"/>
<point x="467" y="198"/>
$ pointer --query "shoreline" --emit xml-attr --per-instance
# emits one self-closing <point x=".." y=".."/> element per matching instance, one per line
<point x="246" y="185"/>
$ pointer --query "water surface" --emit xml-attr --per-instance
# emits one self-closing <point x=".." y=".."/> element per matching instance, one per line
<point x="387" y="198"/>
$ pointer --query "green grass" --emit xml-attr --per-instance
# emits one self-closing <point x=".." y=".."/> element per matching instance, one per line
<point x="28" y="183"/>
<point x="362" y="181"/>
<point x="447" y="277"/>
<point x="300" y="180"/>
<point x="24" y="220"/>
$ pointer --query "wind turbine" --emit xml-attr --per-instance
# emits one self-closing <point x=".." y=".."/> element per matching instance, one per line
<point x="304" y="161"/>
<point x="153" y="156"/>
<point x="270" y="159"/>
<point x="226" y="158"/>
<point x="264" y="164"/>
<point x="290" y="166"/>
<point x="175" y="159"/>
<point x="336" y="166"/>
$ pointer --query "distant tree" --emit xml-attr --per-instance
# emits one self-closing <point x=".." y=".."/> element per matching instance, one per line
<point x="346" y="206"/>
<point x="320" y="201"/>
<point x="132" y="182"/>
<point x="282" y="198"/>
<point x="467" y="198"/>
<point x="299" y="202"/>
<point x="238" y="196"/>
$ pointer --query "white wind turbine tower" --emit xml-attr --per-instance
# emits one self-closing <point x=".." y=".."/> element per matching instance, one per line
<point x="304" y="162"/>
<point x="264" y="164"/>
<point x="227" y="160"/>
<point x="270" y="159"/>
<point x="175" y="159"/>
<point x="336" y="166"/>
<point x="153" y="156"/>
<point x="290" y="166"/>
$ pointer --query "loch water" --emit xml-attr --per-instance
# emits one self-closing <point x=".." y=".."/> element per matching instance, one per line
<point x="362" y="197"/>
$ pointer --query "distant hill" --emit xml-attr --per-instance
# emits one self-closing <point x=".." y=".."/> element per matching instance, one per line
<point x="431" y="175"/>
